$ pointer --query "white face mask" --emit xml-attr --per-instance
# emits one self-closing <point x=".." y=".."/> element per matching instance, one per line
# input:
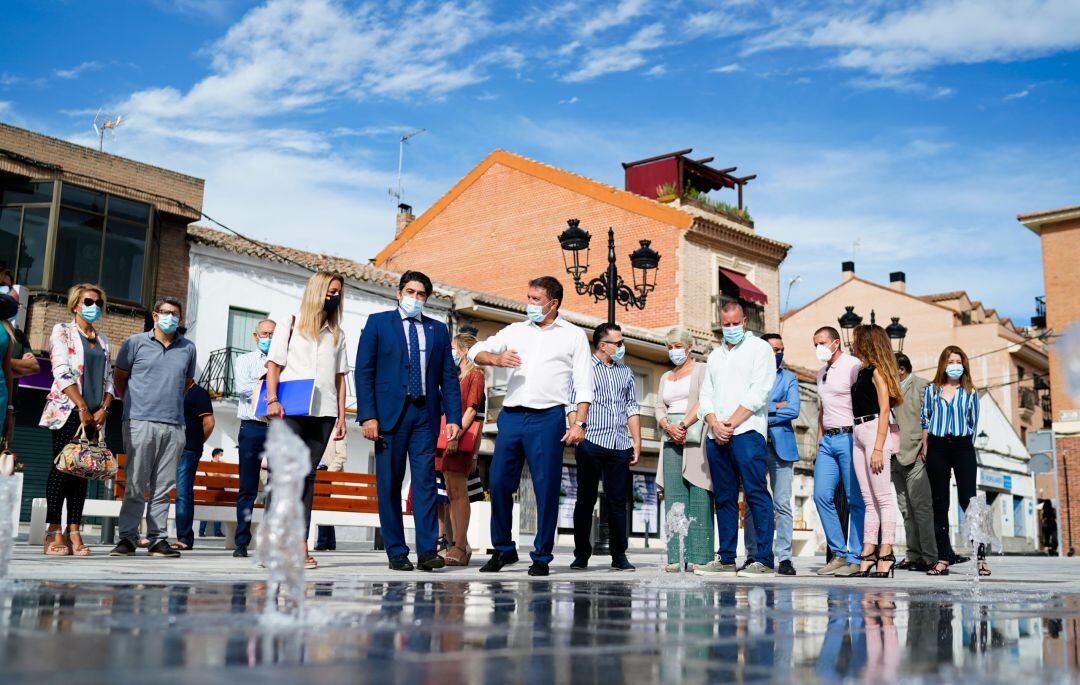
<point x="824" y="354"/>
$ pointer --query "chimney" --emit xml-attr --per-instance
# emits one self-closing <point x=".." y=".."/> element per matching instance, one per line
<point x="848" y="269"/>
<point x="898" y="281"/>
<point x="404" y="218"/>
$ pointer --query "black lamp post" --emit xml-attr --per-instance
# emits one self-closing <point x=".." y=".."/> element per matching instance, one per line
<point x="848" y="321"/>
<point x="896" y="332"/>
<point x="609" y="285"/>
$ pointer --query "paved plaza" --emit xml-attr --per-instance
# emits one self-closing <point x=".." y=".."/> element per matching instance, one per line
<point x="197" y="620"/>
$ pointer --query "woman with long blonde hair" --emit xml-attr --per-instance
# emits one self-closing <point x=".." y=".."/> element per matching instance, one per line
<point x="311" y="345"/>
<point x="950" y="421"/>
<point x="873" y="395"/>
<point x="455" y="464"/>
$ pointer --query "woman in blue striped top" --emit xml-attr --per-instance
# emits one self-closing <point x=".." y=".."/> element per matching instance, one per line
<point x="950" y="417"/>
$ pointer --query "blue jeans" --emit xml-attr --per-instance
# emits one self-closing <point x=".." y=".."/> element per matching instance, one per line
<point x="250" y="440"/>
<point x="743" y="458"/>
<point x="412" y="441"/>
<point x="185" y="496"/>
<point x="833" y="465"/>
<point x="533" y="436"/>
<point x="217" y="530"/>
<point x="780" y="474"/>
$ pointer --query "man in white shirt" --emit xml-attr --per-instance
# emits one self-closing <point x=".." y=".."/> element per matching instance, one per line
<point x="543" y="355"/>
<point x="734" y="401"/>
<point x="248" y="369"/>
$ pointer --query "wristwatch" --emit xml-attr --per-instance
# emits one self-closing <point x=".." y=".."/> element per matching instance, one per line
<point x="580" y="424"/>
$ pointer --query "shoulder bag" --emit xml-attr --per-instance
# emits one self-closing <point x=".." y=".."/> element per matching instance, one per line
<point x="86" y="458"/>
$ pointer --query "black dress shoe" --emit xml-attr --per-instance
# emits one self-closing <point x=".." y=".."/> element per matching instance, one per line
<point x="785" y="568"/>
<point x="538" y="568"/>
<point x="919" y="566"/>
<point x="958" y="559"/>
<point x="498" y="560"/>
<point x="579" y="564"/>
<point x="904" y="564"/>
<point x="622" y="564"/>
<point x="240" y="551"/>
<point x="162" y="548"/>
<point x="126" y="548"/>
<point x="401" y="563"/>
<point x="430" y="561"/>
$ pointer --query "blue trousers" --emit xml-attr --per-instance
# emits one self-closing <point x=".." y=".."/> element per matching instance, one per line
<point x="781" y="474"/>
<point x="533" y="436"/>
<point x="833" y="465"/>
<point x="251" y="439"/>
<point x="185" y="496"/>
<point x="743" y="458"/>
<point x="217" y="531"/>
<point x="410" y="441"/>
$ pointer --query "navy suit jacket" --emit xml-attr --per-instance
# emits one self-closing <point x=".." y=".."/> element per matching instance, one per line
<point x="781" y="432"/>
<point x="382" y="372"/>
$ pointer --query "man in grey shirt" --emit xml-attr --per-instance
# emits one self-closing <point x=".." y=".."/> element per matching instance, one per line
<point x="152" y="372"/>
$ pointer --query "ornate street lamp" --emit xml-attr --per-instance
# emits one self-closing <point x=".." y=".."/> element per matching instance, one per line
<point x="609" y="285"/>
<point x="848" y="321"/>
<point x="982" y="440"/>
<point x="896" y="332"/>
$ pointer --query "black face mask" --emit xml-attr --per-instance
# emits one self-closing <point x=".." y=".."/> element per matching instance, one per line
<point x="331" y="304"/>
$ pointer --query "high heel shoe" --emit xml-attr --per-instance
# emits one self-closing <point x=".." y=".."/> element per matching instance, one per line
<point x="892" y="567"/>
<point x="867" y="572"/>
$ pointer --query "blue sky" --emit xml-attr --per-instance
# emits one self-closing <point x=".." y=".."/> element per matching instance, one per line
<point x="916" y="129"/>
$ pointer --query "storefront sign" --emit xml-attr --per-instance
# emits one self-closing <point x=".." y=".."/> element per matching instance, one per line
<point x="992" y="479"/>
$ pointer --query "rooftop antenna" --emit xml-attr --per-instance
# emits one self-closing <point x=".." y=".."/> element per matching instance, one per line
<point x="103" y="124"/>
<point x="855" y="248"/>
<point x="396" y="194"/>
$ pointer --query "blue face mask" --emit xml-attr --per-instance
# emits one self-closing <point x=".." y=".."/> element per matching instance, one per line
<point x="264" y="345"/>
<point x="677" y="356"/>
<point x="779" y="359"/>
<point x="167" y="323"/>
<point x="456" y="357"/>
<point x="411" y="306"/>
<point x="620" y="352"/>
<point x="91" y="313"/>
<point x="954" y="371"/>
<point x="4" y="289"/>
<point x="536" y="313"/>
<point x="733" y="335"/>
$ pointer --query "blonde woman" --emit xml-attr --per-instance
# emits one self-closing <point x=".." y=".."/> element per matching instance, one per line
<point x="312" y="345"/>
<point x="454" y="464"/>
<point x="873" y="395"/>
<point x="81" y="393"/>
<point x="683" y="473"/>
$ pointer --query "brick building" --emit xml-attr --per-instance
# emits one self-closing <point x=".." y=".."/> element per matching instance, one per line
<point x="70" y="214"/>
<point x="497" y="227"/>
<point x="1059" y="232"/>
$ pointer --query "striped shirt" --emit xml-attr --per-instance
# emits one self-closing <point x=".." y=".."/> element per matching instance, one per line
<point x="942" y="418"/>
<point x="614" y="401"/>
<point x="247" y="370"/>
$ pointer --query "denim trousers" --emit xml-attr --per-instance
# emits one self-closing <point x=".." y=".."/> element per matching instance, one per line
<point x="834" y="465"/>
<point x="743" y="458"/>
<point x="780" y="476"/>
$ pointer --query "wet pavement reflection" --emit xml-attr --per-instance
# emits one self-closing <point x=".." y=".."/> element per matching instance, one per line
<point x="473" y="632"/>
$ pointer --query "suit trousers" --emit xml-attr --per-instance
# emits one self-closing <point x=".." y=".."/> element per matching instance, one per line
<point x="742" y="459"/>
<point x="917" y="508"/>
<point x="409" y="442"/>
<point x="596" y="463"/>
<point x="251" y="440"/>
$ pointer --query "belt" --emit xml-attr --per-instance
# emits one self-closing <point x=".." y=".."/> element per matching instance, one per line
<point x="951" y="438"/>
<point x="417" y="401"/>
<point x="865" y="419"/>
<point x="838" y="431"/>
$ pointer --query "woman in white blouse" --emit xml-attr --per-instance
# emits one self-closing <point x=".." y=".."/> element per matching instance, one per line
<point x="312" y="346"/>
<point x="683" y="473"/>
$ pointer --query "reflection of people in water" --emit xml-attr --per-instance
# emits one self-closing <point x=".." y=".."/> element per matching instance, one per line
<point x="882" y="640"/>
<point x="843" y="653"/>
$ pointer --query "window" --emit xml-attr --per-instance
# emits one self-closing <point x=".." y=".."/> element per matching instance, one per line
<point x="101" y="239"/>
<point x="242" y="323"/>
<point x="24" y="228"/>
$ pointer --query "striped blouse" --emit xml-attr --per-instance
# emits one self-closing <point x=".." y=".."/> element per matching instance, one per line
<point x="943" y="418"/>
<point x="614" y="401"/>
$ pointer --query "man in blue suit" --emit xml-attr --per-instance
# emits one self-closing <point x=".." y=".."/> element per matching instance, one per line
<point x="406" y="381"/>
<point x="783" y="453"/>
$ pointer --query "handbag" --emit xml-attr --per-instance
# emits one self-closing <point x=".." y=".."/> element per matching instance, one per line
<point x="693" y="433"/>
<point x="7" y="460"/>
<point x="86" y="458"/>
<point x="468" y="440"/>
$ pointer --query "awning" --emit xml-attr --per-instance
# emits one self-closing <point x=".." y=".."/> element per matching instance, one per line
<point x="747" y="290"/>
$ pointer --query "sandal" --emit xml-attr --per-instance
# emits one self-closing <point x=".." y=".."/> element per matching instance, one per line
<point x="984" y="568"/>
<point x="181" y="546"/>
<point x="56" y="549"/>
<point x="458" y="556"/>
<point x="941" y="568"/>
<point x="76" y="545"/>
<point x="310" y="563"/>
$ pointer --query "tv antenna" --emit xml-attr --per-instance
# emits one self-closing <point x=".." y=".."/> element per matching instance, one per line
<point x="397" y="194"/>
<point x="103" y="124"/>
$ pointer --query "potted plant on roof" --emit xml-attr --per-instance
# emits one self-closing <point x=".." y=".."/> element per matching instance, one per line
<point x="667" y="192"/>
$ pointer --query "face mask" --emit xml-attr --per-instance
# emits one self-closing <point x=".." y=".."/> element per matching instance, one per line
<point x="779" y="359"/>
<point x="824" y="354"/>
<point x="411" y="306"/>
<point x="91" y="313"/>
<point x="456" y="356"/>
<point x="4" y="289"/>
<point x="620" y="352"/>
<point x="733" y="335"/>
<point x="536" y="313"/>
<point x="167" y="323"/>
<point x="264" y="345"/>
<point x="677" y="356"/>
<point x="331" y="303"/>
<point x="954" y="371"/>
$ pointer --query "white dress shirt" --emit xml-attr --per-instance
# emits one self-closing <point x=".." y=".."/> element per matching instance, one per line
<point x="406" y="324"/>
<point x="550" y="356"/>
<point x="319" y="359"/>
<point x="740" y="376"/>
<point x="247" y="370"/>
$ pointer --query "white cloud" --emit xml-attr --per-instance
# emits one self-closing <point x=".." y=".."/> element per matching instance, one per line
<point x="719" y="24"/>
<point x="569" y="101"/>
<point x="727" y="69"/>
<point x="1019" y="94"/>
<point x="658" y="70"/>
<point x="622" y="12"/>
<point x="620" y="57"/>
<point x="74" y="72"/>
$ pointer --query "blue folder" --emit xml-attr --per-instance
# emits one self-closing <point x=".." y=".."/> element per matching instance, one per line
<point x="295" y="397"/>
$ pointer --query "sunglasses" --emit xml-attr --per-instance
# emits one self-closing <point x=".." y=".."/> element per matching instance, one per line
<point x="90" y="302"/>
